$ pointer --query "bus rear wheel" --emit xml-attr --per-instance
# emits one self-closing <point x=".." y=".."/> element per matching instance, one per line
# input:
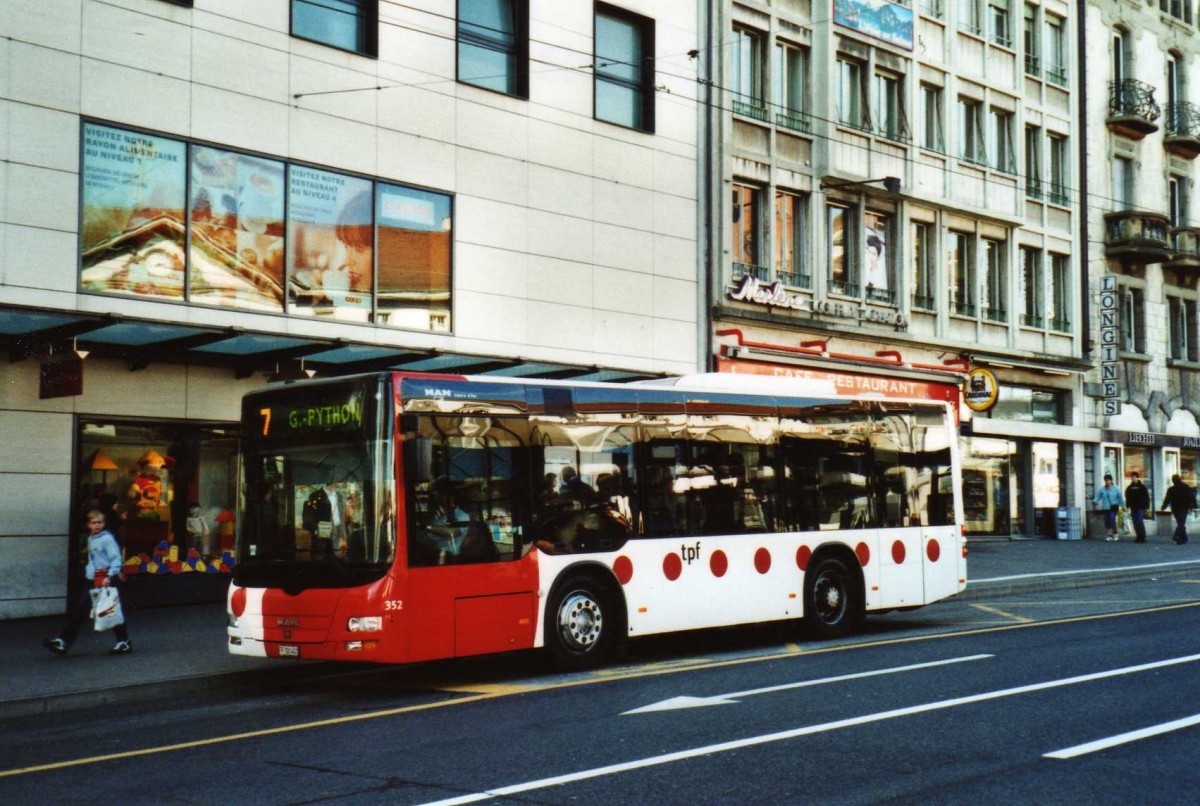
<point x="832" y="601"/>
<point x="580" y="624"/>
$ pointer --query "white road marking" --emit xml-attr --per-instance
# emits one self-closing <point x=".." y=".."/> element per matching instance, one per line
<point x="1140" y="566"/>
<point x="723" y="747"/>
<point x="1124" y="738"/>
<point x="729" y="699"/>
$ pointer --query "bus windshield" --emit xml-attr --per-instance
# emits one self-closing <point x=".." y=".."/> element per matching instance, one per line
<point x="317" y="506"/>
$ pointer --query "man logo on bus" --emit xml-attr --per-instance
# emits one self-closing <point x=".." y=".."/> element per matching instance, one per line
<point x="688" y="553"/>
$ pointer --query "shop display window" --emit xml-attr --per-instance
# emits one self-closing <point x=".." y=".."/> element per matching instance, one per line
<point x="168" y="492"/>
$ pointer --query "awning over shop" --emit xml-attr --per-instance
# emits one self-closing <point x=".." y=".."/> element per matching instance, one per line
<point x="29" y="333"/>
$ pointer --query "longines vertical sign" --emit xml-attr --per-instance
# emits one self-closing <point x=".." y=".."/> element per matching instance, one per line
<point x="1110" y="334"/>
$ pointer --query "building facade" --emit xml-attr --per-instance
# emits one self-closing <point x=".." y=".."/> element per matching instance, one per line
<point x="203" y="196"/>
<point x="1143" y="116"/>
<point x="893" y="192"/>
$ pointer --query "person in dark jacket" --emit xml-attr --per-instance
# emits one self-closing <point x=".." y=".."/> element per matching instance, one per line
<point x="1180" y="499"/>
<point x="1137" y="498"/>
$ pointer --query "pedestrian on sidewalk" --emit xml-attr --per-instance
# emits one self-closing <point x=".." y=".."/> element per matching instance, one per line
<point x="103" y="571"/>
<point x="1181" y="499"/>
<point x="1137" y="498"/>
<point x="1108" y="499"/>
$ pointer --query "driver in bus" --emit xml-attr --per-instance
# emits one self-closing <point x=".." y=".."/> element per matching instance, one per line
<point x="448" y="528"/>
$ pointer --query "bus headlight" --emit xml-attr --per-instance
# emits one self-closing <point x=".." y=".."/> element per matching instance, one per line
<point x="365" y="623"/>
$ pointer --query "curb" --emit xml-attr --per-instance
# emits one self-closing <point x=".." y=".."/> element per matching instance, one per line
<point x="1070" y="581"/>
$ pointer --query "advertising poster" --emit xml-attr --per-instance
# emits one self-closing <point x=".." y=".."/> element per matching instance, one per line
<point x="838" y="274"/>
<point x="414" y="258"/>
<point x="133" y="226"/>
<point x="237" y="246"/>
<point x="888" y="22"/>
<point x="330" y="244"/>
<point x="875" y="274"/>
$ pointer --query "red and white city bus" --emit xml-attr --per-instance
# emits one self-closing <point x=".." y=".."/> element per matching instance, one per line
<point x="398" y="517"/>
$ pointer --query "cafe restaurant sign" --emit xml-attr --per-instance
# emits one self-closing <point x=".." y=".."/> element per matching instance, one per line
<point x="773" y="295"/>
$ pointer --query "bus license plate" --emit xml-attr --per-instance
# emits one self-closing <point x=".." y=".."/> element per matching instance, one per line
<point x="287" y="651"/>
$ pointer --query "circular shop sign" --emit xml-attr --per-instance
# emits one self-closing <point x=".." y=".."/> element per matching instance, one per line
<point x="980" y="390"/>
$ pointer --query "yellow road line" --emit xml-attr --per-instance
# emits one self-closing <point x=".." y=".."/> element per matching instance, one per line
<point x="1018" y="619"/>
<point x="630" y="673"/>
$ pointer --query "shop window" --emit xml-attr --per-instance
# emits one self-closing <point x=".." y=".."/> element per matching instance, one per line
<point x="624" y="72"/>
<point x="1030" y="405"/>
<point x="493" y="45"/>
<point x="168" y="493"/>
<point x="345" y="24"/>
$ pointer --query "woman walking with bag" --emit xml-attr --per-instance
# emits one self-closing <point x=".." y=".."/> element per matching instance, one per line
<point x="104" y="571"/>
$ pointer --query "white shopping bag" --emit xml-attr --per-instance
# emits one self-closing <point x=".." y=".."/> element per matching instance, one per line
<point x="106" y="608"/>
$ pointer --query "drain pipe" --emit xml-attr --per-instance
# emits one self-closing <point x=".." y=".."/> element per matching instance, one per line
<point x="1085" y="312"/>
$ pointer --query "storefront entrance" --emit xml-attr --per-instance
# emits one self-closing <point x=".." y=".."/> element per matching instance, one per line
<point x="1011" y="487"/>
<point x="168" y="492"/>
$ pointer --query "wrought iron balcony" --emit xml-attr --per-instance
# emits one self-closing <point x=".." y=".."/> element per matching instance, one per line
<point x="1132" y="110"/>
<point x="751" y="108"/>
<point x="760" y="273"/>
<point x="795" y="279"/>
<point x="1185" y="250"/>
<point x="1136" y="236"/>
<point x="1183" y="129"/>
<point x="797" y="121"/>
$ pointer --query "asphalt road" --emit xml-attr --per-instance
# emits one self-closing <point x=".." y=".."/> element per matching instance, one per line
<point x="1085" y="696"/>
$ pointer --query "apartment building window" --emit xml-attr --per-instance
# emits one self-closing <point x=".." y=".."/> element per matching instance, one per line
<point x="877" y="271"/>
<point x="850" y="90"/>
<point x="923" y="268"/>
<point x="931" y="8"/>
<point x="184" y="3"/>
<point x="1032" y="283"/>
<point x="1173" y="93"/>
<point x="890" y="120"/>
<point x="1033" y="162"/>
<point x="1055" y="50"/>
<point x="970" y="131"/>
<point x="1133" y="320"/>
<point x="746" y="83"/>
<point x="1060" y="293"/>
<point x="1058" y="170"/>
<point x="998" y="28"/>
<point x="843" y="273"/>
<point x="1029" y="33"/>
<point x="1179" y="9"/>
<point x="1122" y="183"/>
<point x="790" y="242"/>
<point x="968" y="17"/>
<point x="1000" y="144"/>
<point x="346" y="24"/>
<point x="624" y="73"/>
<point x="995" y="289"/>
<point x="931" y="118"/>
<point x="960" y="259"/>
<point x="1177" y="201"/>
<point x="747" y="231"/>
<point x="493" y="45"/>
<point x="791" y="87"/>
<point x="1181" y="314"/>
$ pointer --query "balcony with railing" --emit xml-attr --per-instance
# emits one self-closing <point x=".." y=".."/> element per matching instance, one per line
<point x="1183" y="129"/>
<point x="760" y="273"/>
<point x="1185" y="249"/>
<point x="750" y="108"/>
<point x="796" y="121"/>
<point x="1136" y="236"/>
<point x="795" y="279"/>
<point x="1132" y="110"/>
<point x="1032" y="320"/>
<point x="1033" y="66"/>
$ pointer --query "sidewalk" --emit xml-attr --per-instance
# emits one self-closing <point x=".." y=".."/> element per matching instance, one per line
<point x="180" y="651"/>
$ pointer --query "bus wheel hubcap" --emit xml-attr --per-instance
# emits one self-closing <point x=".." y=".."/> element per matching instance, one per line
<point x="829" y="598"/>
<point x="579" y="621"/>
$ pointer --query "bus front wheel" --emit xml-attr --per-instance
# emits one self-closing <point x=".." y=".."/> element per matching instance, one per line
<point x="832" y="602"/>
<point x="580" y="625"/>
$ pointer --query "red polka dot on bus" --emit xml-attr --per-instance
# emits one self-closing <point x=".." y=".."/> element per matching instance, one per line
<point x="718" y="563"/>
<point x="898" y="552"/>
<point x="672" y="566"/>
<point x="237" y="602"/>
<point x="933" y="551"/>
<point x="762" y="561"/>
<point x="863" y="551"/>
<point x="623" y="568"/>
<point x="803" y="555"/>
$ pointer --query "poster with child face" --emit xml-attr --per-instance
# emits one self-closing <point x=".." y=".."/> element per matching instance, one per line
<point x="330" y="244"/>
